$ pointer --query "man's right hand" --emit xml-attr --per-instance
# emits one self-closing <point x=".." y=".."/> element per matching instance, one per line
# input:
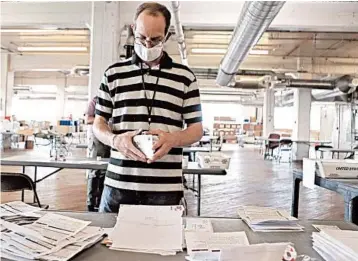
<point x="124" y="144"/>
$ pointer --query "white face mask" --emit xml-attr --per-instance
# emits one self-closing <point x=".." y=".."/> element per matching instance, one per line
<point x="148" y="54"/>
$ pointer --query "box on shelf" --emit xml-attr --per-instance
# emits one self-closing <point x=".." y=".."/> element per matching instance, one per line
<point x="213" y="160"/>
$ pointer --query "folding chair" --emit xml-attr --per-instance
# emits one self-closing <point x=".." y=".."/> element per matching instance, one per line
<point x="11" y="182"/>
<point x="285" y="145"/>
<point x="271" y="145"/>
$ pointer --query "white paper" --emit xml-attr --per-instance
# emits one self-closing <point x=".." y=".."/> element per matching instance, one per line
<point x="265" y="219"/>
<point x="207" y="241"/>
<point x="68" y="225"/>
<point x="17" y="208"/>
<point x="322" y="227"/>
<point x="136" y="226"/>
<point x="338" y="247"/>
<point x="262" y="252"/>
<point x="52" y="237"/>
<point x="309" y="173"/>
<point x="198" y="224"/>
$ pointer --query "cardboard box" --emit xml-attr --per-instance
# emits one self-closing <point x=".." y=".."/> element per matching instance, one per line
<point x="213" y="160"/>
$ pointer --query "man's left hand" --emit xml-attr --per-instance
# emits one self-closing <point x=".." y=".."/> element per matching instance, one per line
<point x="165" y="143"/>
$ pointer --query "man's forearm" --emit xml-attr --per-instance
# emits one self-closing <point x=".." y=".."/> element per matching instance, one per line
<point x="102" y="131"/>
<point x="190" y="135"/>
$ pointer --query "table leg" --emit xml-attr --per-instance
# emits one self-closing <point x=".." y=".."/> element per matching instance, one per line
<point x="355" y="210"/>
<point x="23" y="169"/>
<point x="199" y="195"/>
<point x="351" y="209"/>
<point x="35" y="180"/>
<point x="295" y="197"/>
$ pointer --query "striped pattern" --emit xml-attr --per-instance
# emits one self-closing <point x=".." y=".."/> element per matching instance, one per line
<point x="177" y="101"/>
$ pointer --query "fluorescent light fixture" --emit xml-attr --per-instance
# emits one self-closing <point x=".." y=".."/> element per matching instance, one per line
<point x="208" y="51"/>
<point x="257" y="51"/>
<point x="51" y="48"/>
<point x="223" y="51"/>
<point x="28" y="30"/>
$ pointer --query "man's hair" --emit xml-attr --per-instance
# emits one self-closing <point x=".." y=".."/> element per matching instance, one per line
<point x="155" y="9"/>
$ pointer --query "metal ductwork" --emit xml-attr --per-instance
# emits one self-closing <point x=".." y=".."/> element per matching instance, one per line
<point x="179" y="32"/>
<point x="255" y="18"/>
<point x="211" y="73"/>
<point x="303" y="83"/>
<point x="260" y="83"/>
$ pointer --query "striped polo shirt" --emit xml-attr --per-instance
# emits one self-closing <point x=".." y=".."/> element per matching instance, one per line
<point x="122" y="97"/>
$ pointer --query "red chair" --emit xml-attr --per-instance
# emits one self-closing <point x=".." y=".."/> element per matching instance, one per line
<point x="273" y="143"/>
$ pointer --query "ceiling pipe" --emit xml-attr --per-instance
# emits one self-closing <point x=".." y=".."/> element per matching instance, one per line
<point x="211" y="73"/>
<point x="255" y="18"/>
<point x="179" y="33"/>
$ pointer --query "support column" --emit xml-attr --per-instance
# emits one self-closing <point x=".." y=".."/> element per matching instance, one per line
<point x="301" y="124"/>
<point x="105" y="35"/>
<point x="9" y="93"/>
<point x="268" y="112"/>
<point x="3" y="79"/>
<point x="60" y="100"/>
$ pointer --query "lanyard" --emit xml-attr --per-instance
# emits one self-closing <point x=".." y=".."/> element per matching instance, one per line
<point x="149" y="108"/>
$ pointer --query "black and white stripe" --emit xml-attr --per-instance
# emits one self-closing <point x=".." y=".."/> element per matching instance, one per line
<point x="177" y="101"/>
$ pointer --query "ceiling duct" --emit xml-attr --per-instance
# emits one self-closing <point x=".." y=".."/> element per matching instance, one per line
<point x="211" y="73"/>
<point x="179" y="31"/>
<point x="255" y="18"/>
<point x="302" y="83"/>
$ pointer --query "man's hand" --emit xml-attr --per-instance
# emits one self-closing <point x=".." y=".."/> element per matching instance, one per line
<point x="124" y="144"/>
<point x="165" y="143"/>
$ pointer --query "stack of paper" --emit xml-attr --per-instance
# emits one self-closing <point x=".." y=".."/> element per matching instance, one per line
<point x="262" y="252"/>
<point x="51" y="237"/>
<point x="19" y="212"/>
<point x="207" y="245"/>
<point x="336" y="245"/>
<point x="148" y="229"/>
<point x="264" y="219"/>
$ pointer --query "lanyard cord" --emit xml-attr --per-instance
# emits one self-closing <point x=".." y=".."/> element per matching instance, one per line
<point x="149" y="108"/>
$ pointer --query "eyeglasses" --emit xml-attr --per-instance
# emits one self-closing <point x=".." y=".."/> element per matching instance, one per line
<point x="142" y="40"/>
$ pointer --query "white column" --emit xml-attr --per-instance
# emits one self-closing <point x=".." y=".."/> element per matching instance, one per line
<point x="105" y="35"/>
<point x="60" y="99"/>
<point x="9" y="92"/>
<point x="301" y="124"/>
<point x="268" y="112"/>
<point x="3" y="79"/>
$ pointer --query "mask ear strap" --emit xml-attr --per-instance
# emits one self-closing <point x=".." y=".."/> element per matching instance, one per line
<point x="166" y="38"/>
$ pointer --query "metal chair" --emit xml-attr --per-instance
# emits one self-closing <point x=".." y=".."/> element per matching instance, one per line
<point x="285" y="145"/>
<point x="11" y="182"/>
<point x="271" y="145"/>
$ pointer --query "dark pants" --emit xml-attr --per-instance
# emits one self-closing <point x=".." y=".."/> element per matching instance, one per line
<point x="112" y="198"/>
<point x="95" y="178"/>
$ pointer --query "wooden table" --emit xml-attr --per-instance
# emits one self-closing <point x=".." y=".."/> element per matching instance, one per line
<point x="348" y="188"/>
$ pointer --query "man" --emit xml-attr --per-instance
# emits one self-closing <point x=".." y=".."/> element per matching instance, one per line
<point x="95" y="178"/>
<point x="148" y="92"/>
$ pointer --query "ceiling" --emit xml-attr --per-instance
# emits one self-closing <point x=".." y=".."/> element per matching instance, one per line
<point x="322" y="44"/>
<point x="333" y="48"/>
